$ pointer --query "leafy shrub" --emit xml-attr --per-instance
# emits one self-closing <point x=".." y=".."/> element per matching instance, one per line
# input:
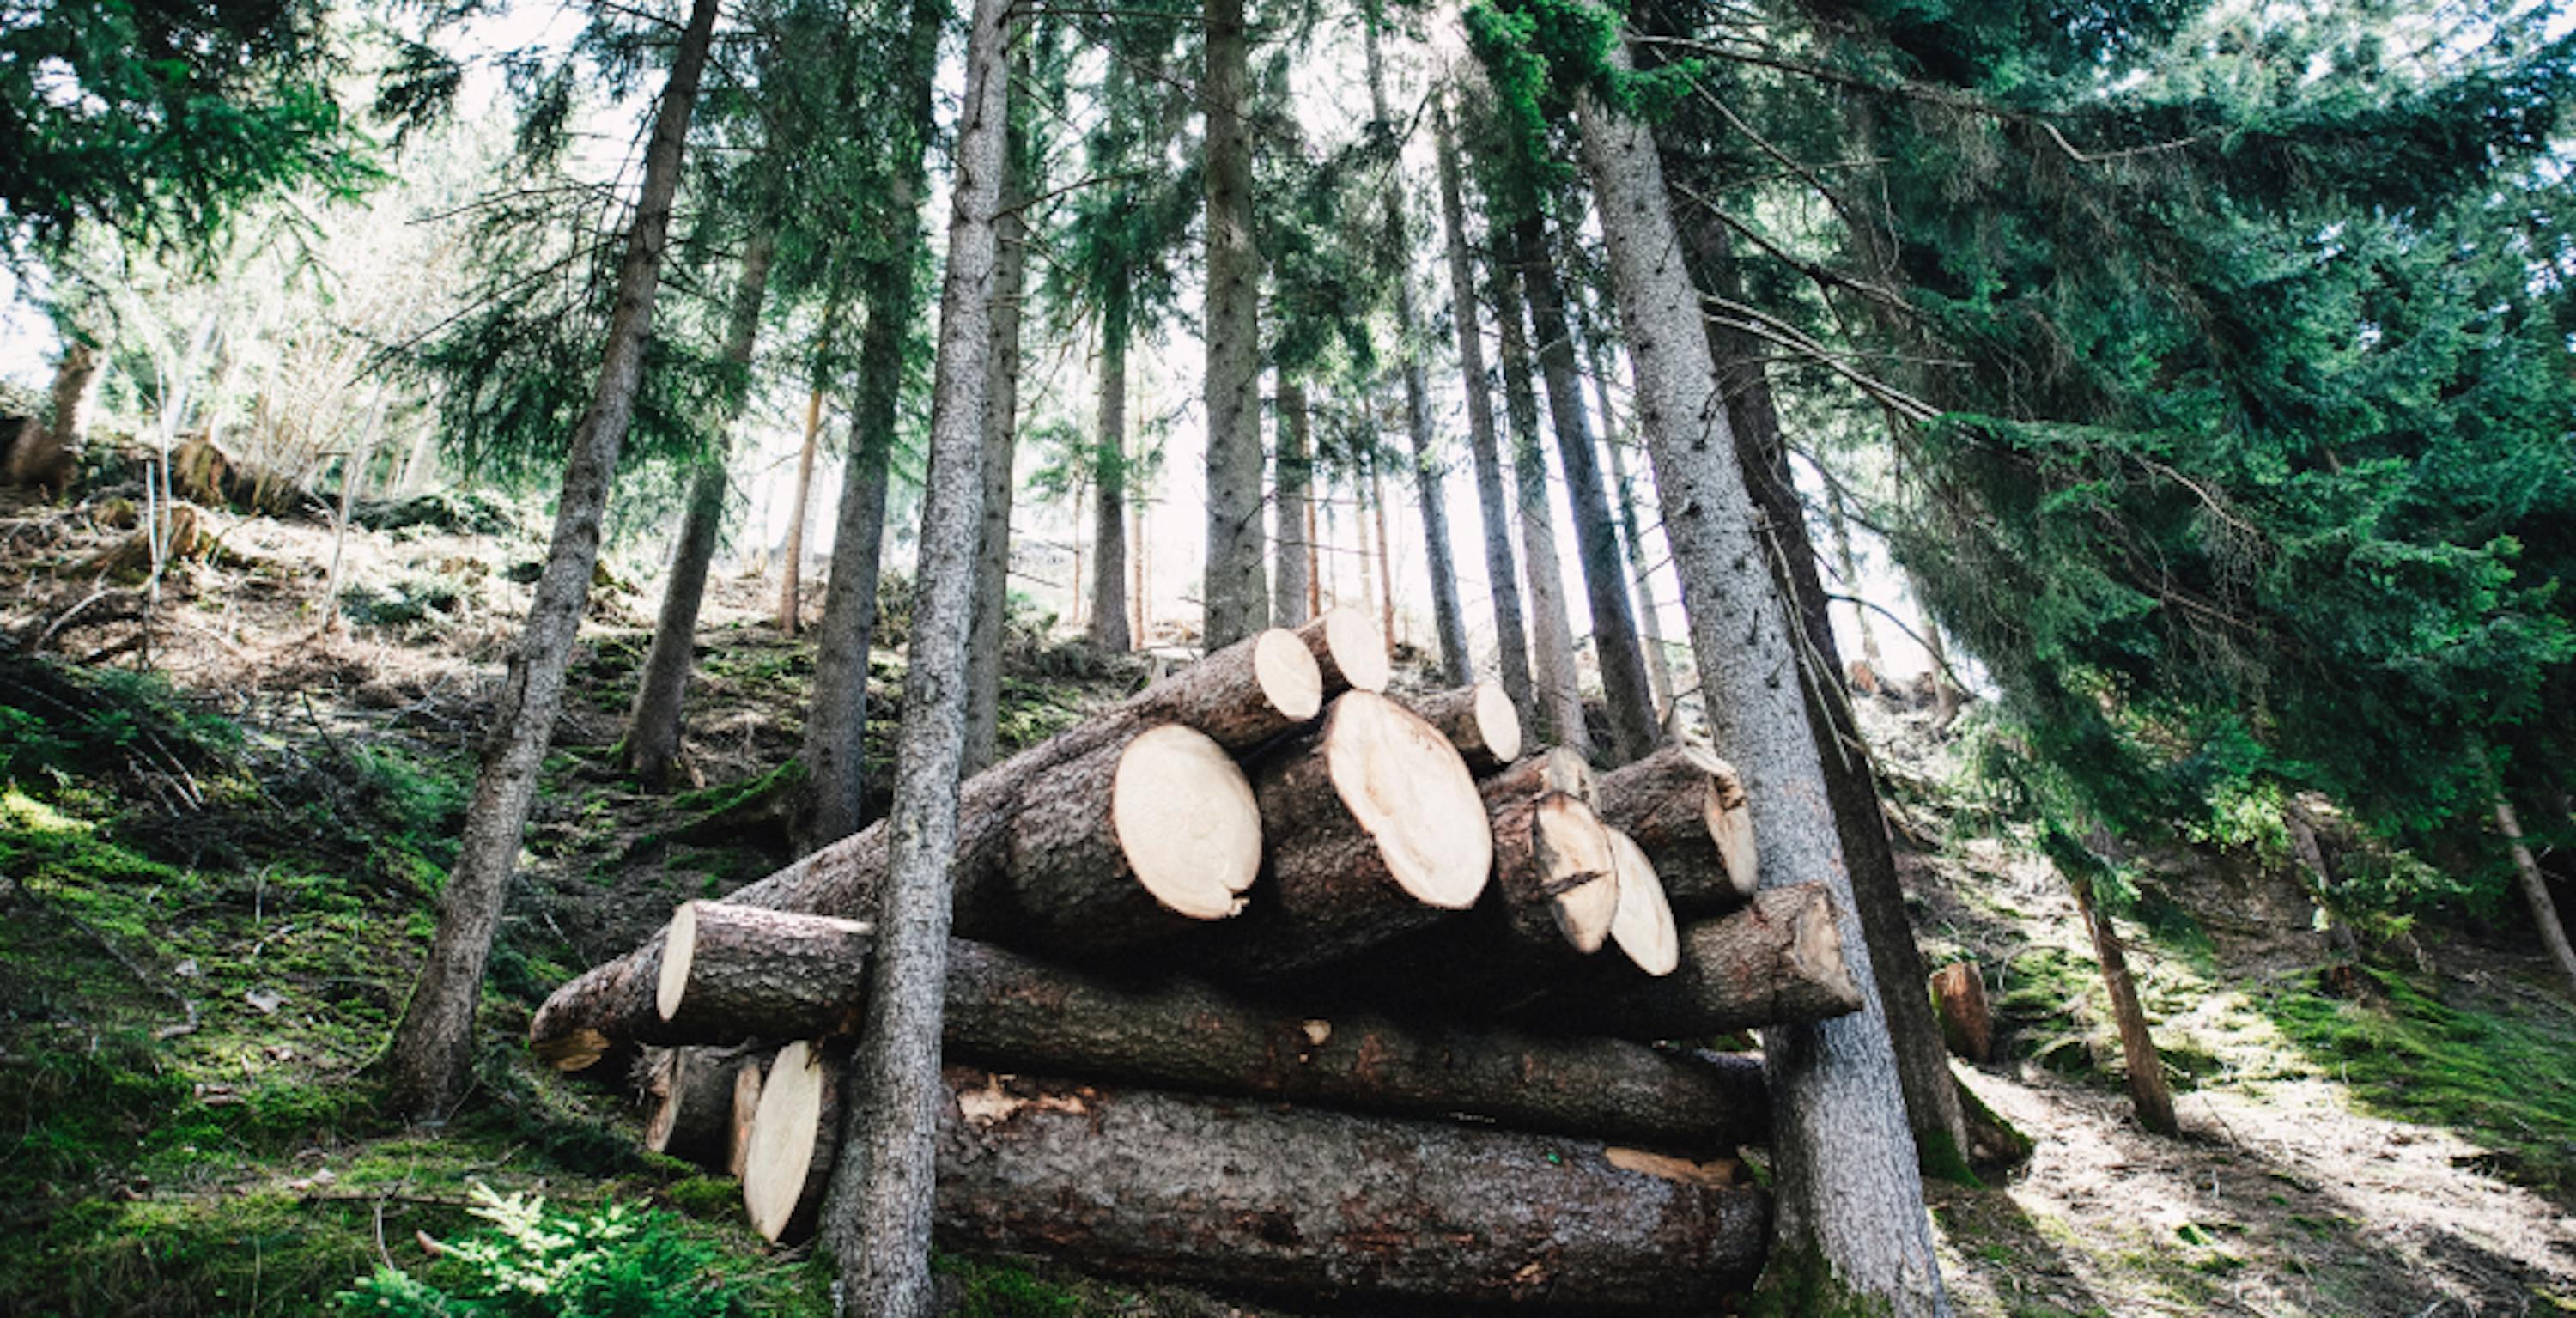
<point x="538" y="1262"/>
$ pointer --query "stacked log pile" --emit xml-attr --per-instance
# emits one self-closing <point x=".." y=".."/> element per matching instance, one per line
<point x="1341" y="995"/>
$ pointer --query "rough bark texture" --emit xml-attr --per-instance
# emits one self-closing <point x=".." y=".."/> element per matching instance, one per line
<point x="1109" y="484"/>
<point x="1292" y="577"/>
<point x="2148" y="1093"/>
<point x="1779" y="961"/>
<point x="1559" y="708"/>
<point x="1178" y="844"/>
<point x="1624" y="688"/>
<point x="877" y="1223"/>
<point x="836" y="717"/>
<point x="652" y="742"/>
<point x="1008" y="1011"/>
<point x="1852" y="1226"/>
<point x="984" y="644"/>
<point x="1337" y="1208"/>
<point x="1687" y="809"/>
<point x="2535" y="892"/>
<point x="1967" y="1024"/>
<point x="791" y="575"/>
<point x="1237" y="598"/>
<point x="600" y="1015"/>
<point x="1479" y="720"/>
<point x="730" y="973"/>
<point x="696" y="1114"/>
<point x="1650" y="623"/>
<point x="1511" y="635"/>
<point x="1385" y="554"/>
<point x="432" y="1051"/>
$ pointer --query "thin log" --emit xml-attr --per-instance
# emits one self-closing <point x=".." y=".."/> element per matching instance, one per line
<point x="1687" y="809"/>
<point x="730" y="973"/>
<point x="1480" y="720"/>
<point x="1349" y="649"/>
<point x="1779" y="961"/>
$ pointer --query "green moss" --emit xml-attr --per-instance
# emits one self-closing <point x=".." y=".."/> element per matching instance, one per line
<point x="1798" y="1282"/>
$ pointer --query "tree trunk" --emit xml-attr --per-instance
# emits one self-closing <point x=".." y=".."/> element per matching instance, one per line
<point x="652" y="742"/>
<point x="353" y="478"/>
<point x="43" y="455"/>
<point x="2148" y="1093"/>
<point x="836" y="715"/>
<point x="1847" y="566"/>
<point x="433" y="1047"/>
<point x="1479" y="720"/>
<point x="1559" y="708"/>
<point x="1314" y="569"/>
<point x="1385" y="555"/>
<point x="1292" y="582"/>
<point x="1358" y="1210"/>
<point x="2535" y="892"/>
<point x="1852" y="1227"/>
<point x="1109" y="485"/>
<point x="791" y="584"/>
<point x="985" y="643"/>
<point x="877" y="1220"/>
<point x="1449" y="621"/>
<point x="1624" y="688"/>
<point x="1511" y="636"/>
<point x="1687" y="809"/>
<point x="1650" y="623"/>
<point x="1236" y="597"/>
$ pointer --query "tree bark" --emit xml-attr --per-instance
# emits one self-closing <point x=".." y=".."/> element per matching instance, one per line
<point x="1236" y="597"/>
<point x="1624" y="688"/>
<point x="731" y="973"/>
<point x="1511" y="635"/>
<point x="1687" y="809"/>
<point x="652" y="742"/>
<point x="1650" y="624"/>
<point x="1292" y="594"/>
<point x="2535" y="892"/>
<point x="432" y="1052"/>
<point x="1318" y="1204"/>
<point x="702" y="1102"/>
<point x="877" y="1220"/>
<point x="1559" y="708"/>
<point x="985" y="643"/>
<point x="1385" y="554"/>
<point x="836" y="715"/>
<point x="1852" y="1226"/>
<point x="791" y="583"/>
<point x="2149" y="1095"/>
<point x="1109" y="484"/>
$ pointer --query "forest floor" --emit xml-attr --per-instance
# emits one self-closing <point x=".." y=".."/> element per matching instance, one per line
<point x="217" y="887"/>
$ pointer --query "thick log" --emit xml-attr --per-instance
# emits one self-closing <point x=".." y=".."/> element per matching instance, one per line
<point x="1686" y="808"/>
<point x="1642" y="928"/>
<point x="698" y="1111"/>
<point x="1479" y="720"/>
<point x="1017" y="826"/>
<point x="730" y="973"/>
<point x="1010" y="1012"/>
<point x="1778" y="961"/>
<point x="1375" y="829"/>
<point x="794" y="1132"/>
<point x="1346" y="1210"/>
<point x="1349" y="650"/>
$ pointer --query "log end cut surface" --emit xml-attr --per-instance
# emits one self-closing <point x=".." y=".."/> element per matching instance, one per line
<point x="1287" y="674"/>
<point x="1405" y="785"/>
<point x="679" y="948"/>
<point x="1581" y="876"/>
<point x="1356" y="647"/>
<point x="1642" y="928"/>
<point x="783" y="1136"/>
<point x="1499" y="721"/>
<point x="1185" y="817"/>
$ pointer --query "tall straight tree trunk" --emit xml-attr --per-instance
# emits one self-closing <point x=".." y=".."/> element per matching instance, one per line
<point x="652" y="742"/>
<point x="2149" y="1095"/>
<point x="1001" y="445"/>
<point x="1109" y="487"/>
<point x="1624" y="688"/>
<point x="1385" y="554"/>
<point x="1847" y="566"/>
<point x="1510" y="635"/>
<point x="1553" y="673"/>
<point x="2535" y="892"/>
<point x="877" y="1216"/>
<point x="1851" y="1230"/>
<point x="433" y="1047"/>
<point x="1237" y="597"/>
<point x="1448" y="619"/>
<point x="836" y="717"/>
<point x="1138" y="567"/>
<point x="791" y="583"/>
<point x="1632" y="539"/>
<point x="1292" y="578"/>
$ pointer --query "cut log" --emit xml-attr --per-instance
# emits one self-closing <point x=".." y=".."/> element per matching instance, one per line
<point x="1179" y="843"/>
<point x="1959" y="996"/>
<point x="696" y="1114"/>
<point x="1686" y="809"/>
<point x="1018" y="832"/>
<point x="1555" y="769"/>
<point x="1778" y="961"/>
<point x="731" y="973"/>
<point x="748" y="1080"/>
<point x="1350" y="651"/>
<point x="1556" y="882"/>
<point x="1479" y="720"/>
<point x="1642" y="928"/>
<point x="1375" y="829"/>
<point x="794" y="1132"/>
<point x="1347" y="1210"/>
<point x="1011" y="1012"/>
